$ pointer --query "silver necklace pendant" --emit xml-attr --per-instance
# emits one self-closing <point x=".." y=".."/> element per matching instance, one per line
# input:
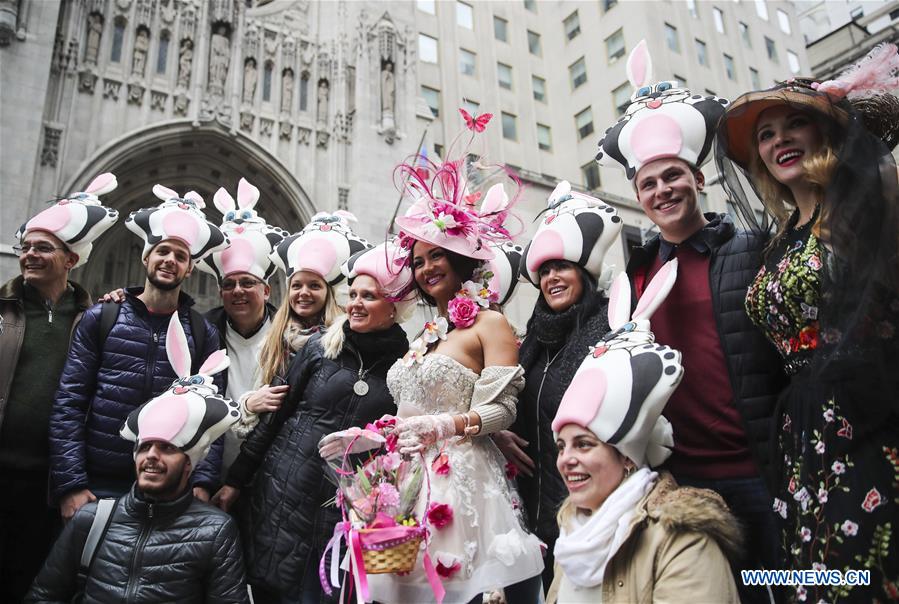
<point x="360" y="387"/>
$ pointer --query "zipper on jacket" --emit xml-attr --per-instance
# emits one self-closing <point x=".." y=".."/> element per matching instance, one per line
<point x="49" y="311"/>
<point x="151" y="365"/>
<point x="539" y="448"/>
<point x="137" y="557"/>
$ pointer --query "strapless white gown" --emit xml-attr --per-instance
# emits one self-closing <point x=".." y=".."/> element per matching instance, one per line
<point x="486" y="535"/>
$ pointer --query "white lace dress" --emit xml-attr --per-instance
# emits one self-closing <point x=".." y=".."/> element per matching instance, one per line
<point x="485" y="536"/>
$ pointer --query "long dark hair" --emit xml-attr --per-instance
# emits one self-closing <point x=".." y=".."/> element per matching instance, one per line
<point x="463" y="266"/>
<point x="590" y="300"/>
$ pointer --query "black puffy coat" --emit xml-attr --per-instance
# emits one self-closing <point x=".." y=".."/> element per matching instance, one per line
<point x="99" y="387"/>
<point x="284" y="525"/>
<point x="182" y="551"/>
<point x="756" y="370"/>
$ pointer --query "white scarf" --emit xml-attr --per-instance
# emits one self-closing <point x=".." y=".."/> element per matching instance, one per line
<point x="585" y="546"/>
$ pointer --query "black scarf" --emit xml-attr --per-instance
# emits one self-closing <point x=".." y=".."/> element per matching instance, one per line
<point x="386" y="345"/>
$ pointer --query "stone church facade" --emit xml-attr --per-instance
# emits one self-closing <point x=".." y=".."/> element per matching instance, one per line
<point x="313" y="102"/>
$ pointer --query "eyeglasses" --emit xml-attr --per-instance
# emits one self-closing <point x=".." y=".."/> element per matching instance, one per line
<point x="243" y="283"/>
<point x="43" y="249"/>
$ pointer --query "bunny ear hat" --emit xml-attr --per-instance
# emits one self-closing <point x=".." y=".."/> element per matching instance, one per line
<point x="79" y="219"/>
<point x="623" y="384"/>
<point x="662" y="121"/>
<point x="189" y="415"/>
<point x="386" y="264"/>
<point x="321" y="247"/>
<point x="178" y="218"/>
<point x="252" y="239"/>
<point x="575" y="227"/>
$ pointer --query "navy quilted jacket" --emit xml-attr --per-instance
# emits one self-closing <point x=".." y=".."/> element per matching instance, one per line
<point x="98" y="389"/>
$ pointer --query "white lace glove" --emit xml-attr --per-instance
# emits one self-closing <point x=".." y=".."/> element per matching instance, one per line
<point x="418" y="433"/>
<point x="335" y="444"/>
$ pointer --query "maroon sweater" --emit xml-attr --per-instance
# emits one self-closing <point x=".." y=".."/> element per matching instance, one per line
<point x="709" y="438"/>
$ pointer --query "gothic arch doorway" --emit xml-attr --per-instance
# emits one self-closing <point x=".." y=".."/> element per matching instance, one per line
<point x="182" y="157"/>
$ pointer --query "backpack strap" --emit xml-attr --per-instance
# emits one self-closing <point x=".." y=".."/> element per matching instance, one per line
<point x="198" y="331"/>
<point x="99" y="526"/>
<point x="109" y="314"/>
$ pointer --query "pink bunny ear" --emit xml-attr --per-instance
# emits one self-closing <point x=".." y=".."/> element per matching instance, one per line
<point x="639" y="65"/>
<point x="195" y="197"/>
<point x="496" y="199"/>
<point x="102" y="184"/>
<point x="247" y="194"/>
<point x="657" y="290"/>
<point x="164" y="193"/>
<point x="348" y="216"/>
<point x="217" y="361"/>
<point x="176" y="347"/>
<point x="620" y="301"/>
<point x="223" y="201"/>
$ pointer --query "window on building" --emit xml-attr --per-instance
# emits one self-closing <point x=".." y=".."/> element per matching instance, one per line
<point x="793" y="61"/>
<point x="744" y="34"/>
<point x="467" y="62"/>
<point x="432" y="98"/>
<point x="691" y="6"/>
<point x="607" y="4"/>
<point x="472" y="107"/>
<point x="590" y="172"/>
<point x="539" y="86"/>
<point x="671" y="38"/>
<point x="426" y="6"/>
<point x="427" y="48"/>
<point x="438" y="150"/>
<point x="729" y="67"/>
<point x="118" y="37"/>
<point x="621" y="98"/>
<point x="583" y="121"/>
<point x="464" y="15"/>
<point x="572" y="25"/>
<point x="771" y="48"/>
<point x="162" y="53"/>
<point x="681" y="81"/>
<point x="504" y="75"/>
<point x="702" y="53"/>
<point x="267" y="74"/>
<point x="577" y="73"/>
<point x="783" y="20"/>
<point x="544" y="138"/>
<point x="718" y="17"/>
<point x="761" y="9"/>
<point x="631" y="239"/>
<point x="754" y="79"/>
<point x="500" y="29"/>
<point x="703" y="201"/>
<point x="857" y="13"/>
<point x="531" y="5"/>
<point x="510" y="131"/>
<point x="534" y="43"/>
<point x="304" y="91"/>
<point x="894" y="14"/>
<point x="615" y="46"/>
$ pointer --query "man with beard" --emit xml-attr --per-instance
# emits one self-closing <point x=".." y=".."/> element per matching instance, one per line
<point x="158" y="542"/>
<point x="113" y="365"/>
<point x="37" y="311"/>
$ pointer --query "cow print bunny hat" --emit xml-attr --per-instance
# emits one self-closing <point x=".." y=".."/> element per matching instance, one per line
<point x="662" y="121"/>
<point x="77" y="220"/>
<point x="321" y="247"/>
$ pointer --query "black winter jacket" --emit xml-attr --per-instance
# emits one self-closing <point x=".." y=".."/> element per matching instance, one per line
<point x="756" y="370"/>
<point x="182" y="551"/>
<point x="285" y="525"/>
<point x="99" y="388"/>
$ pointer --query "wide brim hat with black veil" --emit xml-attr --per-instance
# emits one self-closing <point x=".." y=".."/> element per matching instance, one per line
<point x="858" y="218"/>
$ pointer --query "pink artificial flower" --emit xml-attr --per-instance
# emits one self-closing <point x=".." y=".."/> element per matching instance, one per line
<point x="462" y="311"/>
<point x="448" y="565"/>
<point x="391" y="441"/>
<point x="440" y="515"/>
<point x="391" y="460"/>
<point x="511" y="470"/>
<point x="838" y="467"/>
<point x="388" y="496"/>
<point x="441" y="465"/>
<point x="382" y="520"/>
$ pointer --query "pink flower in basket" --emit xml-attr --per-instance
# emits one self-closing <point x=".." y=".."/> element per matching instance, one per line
<point x="440" y="515"/>
<point x="462" y="311"/>
<point x="448" y="564"/>
<point x="441" y="465"/>
<point x="387" y="495"/>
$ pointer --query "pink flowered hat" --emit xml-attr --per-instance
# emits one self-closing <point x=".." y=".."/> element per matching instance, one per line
<point x="252" y="239"/>
<point x="386" y="264"/>
<point x="321" y="247"/>
<point x="663" y="120"/>
<point x="178" y="218"/>
<point x="79" y="219"/>
<point x="190" y="414"/>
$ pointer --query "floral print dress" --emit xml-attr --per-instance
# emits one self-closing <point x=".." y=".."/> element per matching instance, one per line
<point x="837" y="494"/>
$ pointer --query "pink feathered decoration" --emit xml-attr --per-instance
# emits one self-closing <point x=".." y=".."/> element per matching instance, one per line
<point x="877" y="73"/>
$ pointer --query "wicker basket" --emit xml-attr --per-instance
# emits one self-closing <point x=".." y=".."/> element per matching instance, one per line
<point x="397" y="559"/>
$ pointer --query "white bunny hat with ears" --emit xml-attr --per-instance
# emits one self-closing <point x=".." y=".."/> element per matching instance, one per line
<point x="321" y="247"/>
<point x="623" y="384"/>
<point x="189" y="415"/>
<point x="79" y="219"/>
<point x="178" y="218"/>
<point x="252" y="239"/>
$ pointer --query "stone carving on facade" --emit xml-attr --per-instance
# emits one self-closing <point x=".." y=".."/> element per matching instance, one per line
<point x="111" y="89"/>
<point x="322" y="139"/>
<point x="287" y="91"/>
<point x="222" y="11"/>
<point x="94" y="34"/>
<point x="303" y="135"/>
<point x="288" y="52"/>
<point x="139" y="56"/>
<point x="135" y="94"/>
<point x="250" y="77"/>
<point x="157" y="100"/>
<point x="387" y="53"/>
<point x="185" y="61"/>
<point x="246" y="121"/>
<point x="50" y="150"/>
<point x="251" y="40"/>
<point x="324" y="61"/>
<point x="143" y="14"/>
<point x="321" y="103"/>
<point x="167" y="11"/>
<point x="343" y="195"/>
<point x="285" y="130"/>
<point x="188" y="18"/>
<point x="271" y="43"/>
<point x="181" y="103"/>
<point x="64" y="55"/>
<point x="123" y="5"/>
<point x="307" y="55"/>
<point x="219" y="60"/>
<point x="87" y="81"/>
<point x="265" y="126"/>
